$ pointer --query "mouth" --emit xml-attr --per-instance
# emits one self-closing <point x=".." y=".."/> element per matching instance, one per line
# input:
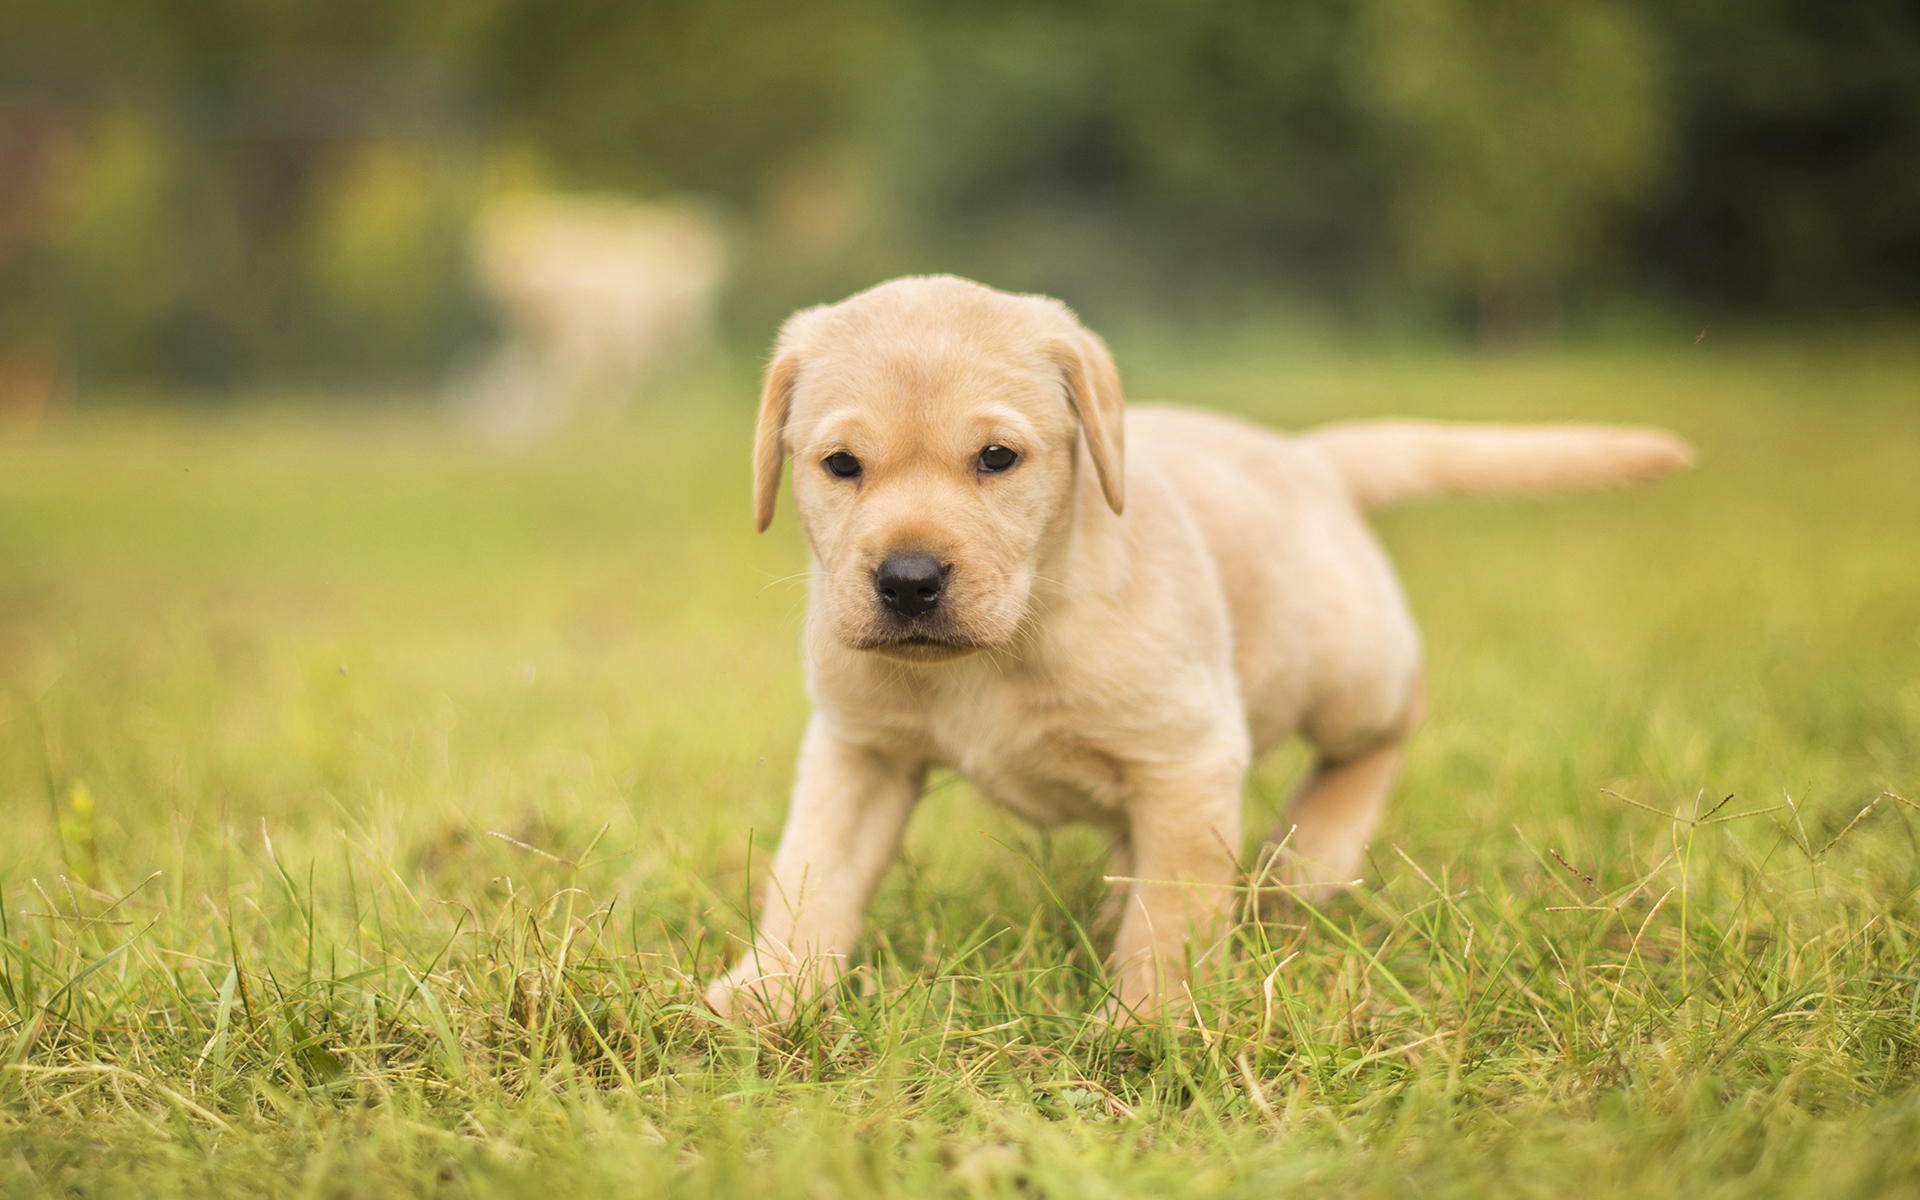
<point x="920" y="647"/>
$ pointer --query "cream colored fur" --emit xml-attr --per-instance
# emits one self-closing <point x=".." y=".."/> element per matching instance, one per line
<point x="1148" y="599"/>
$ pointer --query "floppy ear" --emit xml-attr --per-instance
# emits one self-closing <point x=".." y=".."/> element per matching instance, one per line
<point x="1093" y="388"/>
<point x="769" y="435"/>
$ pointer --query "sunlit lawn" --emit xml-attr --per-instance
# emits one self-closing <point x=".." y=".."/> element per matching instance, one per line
<point x="375" y="804"/>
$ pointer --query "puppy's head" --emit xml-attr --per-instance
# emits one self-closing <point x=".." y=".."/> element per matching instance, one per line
<point x="935" y="427"/>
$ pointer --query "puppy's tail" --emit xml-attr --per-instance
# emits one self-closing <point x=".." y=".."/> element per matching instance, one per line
<point x="1385" y="462"/>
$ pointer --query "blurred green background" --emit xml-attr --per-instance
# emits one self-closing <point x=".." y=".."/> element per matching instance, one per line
<point x="324" y="731"/>
<point x="216" y="194"/>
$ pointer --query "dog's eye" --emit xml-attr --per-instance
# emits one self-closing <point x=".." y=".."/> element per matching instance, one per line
<point x="997" y="458"/>
<point x="842" y="464"/>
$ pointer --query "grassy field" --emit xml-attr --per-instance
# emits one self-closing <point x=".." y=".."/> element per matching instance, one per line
<point x="375" y="806"/>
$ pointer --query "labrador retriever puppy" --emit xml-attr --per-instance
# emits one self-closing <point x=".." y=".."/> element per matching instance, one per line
<point x="1093" y="613"/>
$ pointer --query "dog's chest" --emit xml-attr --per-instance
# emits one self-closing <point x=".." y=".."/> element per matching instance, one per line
<point x="1038" y="760"/>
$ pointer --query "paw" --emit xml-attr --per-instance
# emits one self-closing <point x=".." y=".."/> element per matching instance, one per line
<point x="1123" y="1012"/>
<point x="1117" y="1015"/>
<point x="764" y="994"/>
<point x="762" y="1001"/>
<point x="1145" y="994"/>
<point x="1286" y="876"/>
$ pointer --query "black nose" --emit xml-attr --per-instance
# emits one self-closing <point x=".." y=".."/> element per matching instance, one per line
<point x="910" y="584"/>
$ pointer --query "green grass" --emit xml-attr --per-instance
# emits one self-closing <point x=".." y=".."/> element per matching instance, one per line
<point x="375" y="807"/>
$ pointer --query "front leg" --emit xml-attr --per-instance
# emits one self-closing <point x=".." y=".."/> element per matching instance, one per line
<point x="1185" y="839"/>
<point x="850" y="805"/>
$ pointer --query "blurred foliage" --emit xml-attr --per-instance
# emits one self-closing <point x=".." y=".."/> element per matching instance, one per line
<point x="1522" y="126"/>
<point x="211" y="189"/>
<point x="1141" y="144"/>
<point x="1799" y="183"/>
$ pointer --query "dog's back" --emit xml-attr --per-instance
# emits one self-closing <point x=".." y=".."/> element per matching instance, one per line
<point x="1323" y="640"/>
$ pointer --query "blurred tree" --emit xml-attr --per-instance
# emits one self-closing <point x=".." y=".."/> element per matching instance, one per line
<point x="1112" y="151"/>
<point x="1796" y="184"/>
<point x="125" y="267"/>
<point x="385" y="239"/>
<point x="207" y="130"/>
<point x="1481" y="150"/>
<point x="1525" y="130"/>
<point x="675" y="95"/>
<point x="209" y="188"/>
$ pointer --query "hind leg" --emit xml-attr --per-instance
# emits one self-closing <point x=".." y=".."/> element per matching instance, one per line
<point x="1113" y="905"/>
<point x="1318" y="844"/>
